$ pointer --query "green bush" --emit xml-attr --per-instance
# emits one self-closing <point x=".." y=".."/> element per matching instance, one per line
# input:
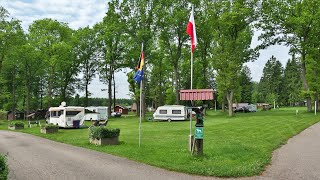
<point x="3" y="115"/>
<point x="103" y="132"/>
<point x="3" y="168"/>
<point x="17" y="124"/>
<point x="50" y="126"/>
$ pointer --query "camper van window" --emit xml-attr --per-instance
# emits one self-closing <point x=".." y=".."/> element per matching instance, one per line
<point x="163" y="111"/>
<point x="176" y="111"/>
<point x="55" y="113"/>
<point x="72" y="113"/>
<point x="60" y="112"/>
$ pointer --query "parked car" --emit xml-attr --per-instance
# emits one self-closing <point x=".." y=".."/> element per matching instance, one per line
<point x="242" y="109"/>
<point x="252" y="108"/>
<point x="116" y="114"/>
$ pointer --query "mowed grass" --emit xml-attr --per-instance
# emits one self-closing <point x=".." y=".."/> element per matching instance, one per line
<point x="233" y="147"/>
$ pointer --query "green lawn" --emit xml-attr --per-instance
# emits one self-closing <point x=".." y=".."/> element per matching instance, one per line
<point x="233" y="147"/>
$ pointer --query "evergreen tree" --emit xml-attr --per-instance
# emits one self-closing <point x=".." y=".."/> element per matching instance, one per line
<point x="270" y="84"/>
<point x="246" y="85"/>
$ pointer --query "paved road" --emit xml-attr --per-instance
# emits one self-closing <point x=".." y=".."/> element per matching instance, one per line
<point x="32" y="158"/>
<point x="299" y="158"/>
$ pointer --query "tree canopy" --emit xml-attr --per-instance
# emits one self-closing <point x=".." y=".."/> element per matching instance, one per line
<point x="52" y="62"/>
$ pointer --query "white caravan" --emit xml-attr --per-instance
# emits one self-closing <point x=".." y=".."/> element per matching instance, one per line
<point x="99" y="113"/>
<point x="170" y="112"/>
<point x="66" y="116"/>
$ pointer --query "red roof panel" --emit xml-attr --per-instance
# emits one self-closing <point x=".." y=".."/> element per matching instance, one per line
<point x="196" y="94"/>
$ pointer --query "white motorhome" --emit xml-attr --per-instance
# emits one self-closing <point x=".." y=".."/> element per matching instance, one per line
<point x="170" y="112"/>
<point x="96" y="113"/>
<point x="66" y="116"/>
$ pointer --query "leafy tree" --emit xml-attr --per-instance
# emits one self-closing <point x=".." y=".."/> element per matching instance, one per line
<point x="30" y="70"/>
<point x="293" y="23"/>
<point x="172" y="20"/>
<point x="86" y="50"/>
<point x="232" y="37"/>
<point x="111" y="36"/>
<point x="52" y="39"/>
<point x="139" y="18"/>
<point x="11" y="38"/>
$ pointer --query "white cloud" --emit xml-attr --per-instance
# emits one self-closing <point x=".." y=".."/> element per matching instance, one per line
<point x="278" y="51"/>
<point x="74" y="12"/>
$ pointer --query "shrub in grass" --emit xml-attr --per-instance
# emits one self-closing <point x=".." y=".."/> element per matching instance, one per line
<point x="3" y="114"/>
<point x="16" y="125"/>
<point x="3" y="168"/>
<point x="104" y="136"/>
<point x="49" y="129"/>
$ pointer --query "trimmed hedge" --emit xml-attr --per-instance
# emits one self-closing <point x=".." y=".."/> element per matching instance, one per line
<point x="50" y="126"/>
<point x="4" y="171"/>
<point x="103" y="132"/>
<point x="17" y="124"/>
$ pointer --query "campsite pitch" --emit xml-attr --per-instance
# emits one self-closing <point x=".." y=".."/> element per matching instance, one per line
<point x="233" y="147"/>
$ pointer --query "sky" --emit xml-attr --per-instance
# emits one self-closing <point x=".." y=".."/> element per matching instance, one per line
<point x="82" y="13"/>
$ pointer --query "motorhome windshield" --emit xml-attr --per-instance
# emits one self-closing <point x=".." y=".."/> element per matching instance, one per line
<point x="72" y="113"/>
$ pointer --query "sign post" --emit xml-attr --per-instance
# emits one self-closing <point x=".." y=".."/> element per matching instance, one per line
<point x="196" y="94"/>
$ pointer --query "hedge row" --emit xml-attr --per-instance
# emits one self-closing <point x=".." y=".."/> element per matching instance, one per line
<point x="3" y="168"/>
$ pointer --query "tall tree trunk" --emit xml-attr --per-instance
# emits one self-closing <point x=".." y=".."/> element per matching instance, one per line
<point x="1" y="61"/>
<point x="110" y="93"/>
<point x="143" y="100"/>
<point x="305" y="83"/>
<point x="114" y="91"/>
<point x="28" y="97"/>
<point x="230" y="102"/>
<point x="161" y="98"/>
<point x="223" y="103"/>
<point x="86" y="101"/>
<point x="14" y="95"/>
<point x="50" y="87"/>
<point x="176" y="83"/>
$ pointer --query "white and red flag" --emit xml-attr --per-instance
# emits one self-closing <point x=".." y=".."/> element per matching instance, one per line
<point x="191" y="30"/>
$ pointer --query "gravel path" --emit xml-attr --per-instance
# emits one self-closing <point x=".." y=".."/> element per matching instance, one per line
<point x="33" y="158"/>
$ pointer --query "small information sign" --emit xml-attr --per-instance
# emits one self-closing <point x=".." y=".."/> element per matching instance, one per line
<point x="198" y="133"/>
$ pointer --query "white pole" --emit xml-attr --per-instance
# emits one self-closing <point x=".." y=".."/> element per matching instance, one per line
<point x="140" y="113"/>
<point x="140" y="106"/>
<point x="315" y="107"/>
<point x="191" y="88"/>
<point x="274" y="104"/>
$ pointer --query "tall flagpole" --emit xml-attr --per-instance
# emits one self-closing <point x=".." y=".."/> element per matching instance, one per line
<point x="191" y="88"/>
<point x="140" y="113"/>
<point x="140" y="105"/>
<point x="190" y="135"/>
